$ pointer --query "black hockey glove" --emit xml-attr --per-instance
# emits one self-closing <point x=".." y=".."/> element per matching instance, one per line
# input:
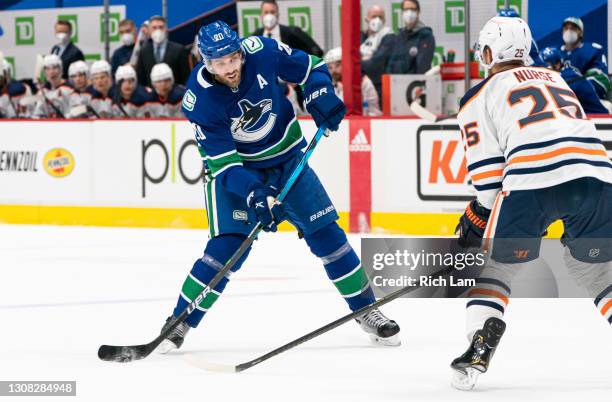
<point x="325" y="107"/>
<point x="472" y="225"/>
<point x="267" y="209"/>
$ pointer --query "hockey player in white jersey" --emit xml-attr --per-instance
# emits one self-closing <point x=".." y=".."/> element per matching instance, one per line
<point x="101" y="89"/>
<point x="533" y="158"/>
<point x="167" y="95"/>
<point x="55" y="91"/>
<point x="78" y="75"/>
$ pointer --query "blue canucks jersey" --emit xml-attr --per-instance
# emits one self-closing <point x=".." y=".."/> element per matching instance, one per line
<point x="584" y="90"/>
<point x="254" y="125"/>
<point x="590" y="60"/>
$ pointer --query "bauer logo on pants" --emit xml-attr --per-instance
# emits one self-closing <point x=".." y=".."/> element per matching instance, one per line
<point x="58" y="162"/>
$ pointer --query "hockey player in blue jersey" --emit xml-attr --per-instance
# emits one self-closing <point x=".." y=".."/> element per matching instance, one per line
<point x="251" y="142"/>
<point x="588" y="57"/>
<point x="583" y="88"/>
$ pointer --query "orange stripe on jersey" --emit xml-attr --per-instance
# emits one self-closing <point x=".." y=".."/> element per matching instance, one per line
<point x="606" y="307"/>
<point x="493" y="215"/>
<point x="557" y="152"/>
<point x="473" y="97"/>
<point x="486" y="175"/>
<point x="488" y="292"/>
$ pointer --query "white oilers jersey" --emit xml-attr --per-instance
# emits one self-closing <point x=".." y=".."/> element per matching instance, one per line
<point x="55" y="103"/>
<point x="524" y="129"/>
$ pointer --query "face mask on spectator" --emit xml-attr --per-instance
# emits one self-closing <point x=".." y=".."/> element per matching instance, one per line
<point x="375" y="24"/>
<point x="269" y="21"/>
<point x="127" y="39"/>
<point x="409" y="17"/>
<point x="158" y="36"/>
<point x="570" y="37"/>
<point x="62" y="37"/>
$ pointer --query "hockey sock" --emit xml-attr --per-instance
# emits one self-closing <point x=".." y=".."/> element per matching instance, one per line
<point x="604" y="303"/>
<point x="491" y="295"/>
<point x="342" y="265"/>
<point x="218" y="251"/>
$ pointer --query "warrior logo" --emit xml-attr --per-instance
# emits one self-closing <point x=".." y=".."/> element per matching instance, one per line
<point x="249" y="127"/>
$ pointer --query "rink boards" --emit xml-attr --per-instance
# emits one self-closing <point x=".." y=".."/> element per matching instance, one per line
<point x="384" y="175"/>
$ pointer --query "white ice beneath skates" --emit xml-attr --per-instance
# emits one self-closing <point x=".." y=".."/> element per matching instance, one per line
<point x="382" y="330"/>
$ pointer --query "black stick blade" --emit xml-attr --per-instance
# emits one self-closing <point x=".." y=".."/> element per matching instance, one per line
<point x="123" y="354"/>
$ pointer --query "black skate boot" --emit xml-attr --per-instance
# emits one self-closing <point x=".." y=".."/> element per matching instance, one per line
<point x="382" y="330"/>
<point x="175" y="339"/>
<point x="477" y="358"/>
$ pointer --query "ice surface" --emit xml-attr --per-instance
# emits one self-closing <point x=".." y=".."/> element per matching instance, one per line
<point x="66" y="290"/>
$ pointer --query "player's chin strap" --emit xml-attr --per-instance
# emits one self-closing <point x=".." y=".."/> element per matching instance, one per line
<point x="125" y="354"/>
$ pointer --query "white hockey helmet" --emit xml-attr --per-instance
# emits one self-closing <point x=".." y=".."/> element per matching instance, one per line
<point x="78" y="67"/>
<point x="125" y="72"/>
<point x="52" y="60"/>
<point x="161" y="72"/>
<point x="333" y="55"/>
<point x="508" y="38"/>
<point x="100" y="66"/>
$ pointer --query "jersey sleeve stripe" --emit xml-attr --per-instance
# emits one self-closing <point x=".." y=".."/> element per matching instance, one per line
<point x="603" y="294"/>
<point x="226" y="167"/>
<point x="488" y="174"/>
<point x="218" y="164"/>
<point x="485" y="162"/>
<point x="490" y="186"/>
<point x="307" y="71"/>
<point x="557" y="165"/>
<point x="536" y="145"/>
<point x="314" y="62"/>
<point x="555" y="153"/>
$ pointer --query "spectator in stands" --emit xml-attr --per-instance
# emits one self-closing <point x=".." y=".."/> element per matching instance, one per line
<point x="294" y="37"/>
<point x="130" y="99"/>
<point x="161" y="50"/>
<point x="55" y="91"/>
<point x="167" y="96"/>
<point x="375" y="64"/>
<point x="101" y="89"/>
<point x="414" y="45"/>
<point x="376" y="32"/>
<point x="588" y="57"/>
<point x="10" y="93"/>
<point x="582" y="87"/>
<point x="65" y="49"/>
<point x="371" y="104"/>
<point x="123" y="54"/>
<point x="78" y="76"/>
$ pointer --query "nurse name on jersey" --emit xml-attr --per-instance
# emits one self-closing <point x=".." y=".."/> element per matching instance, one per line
<point x="525" y="74"/>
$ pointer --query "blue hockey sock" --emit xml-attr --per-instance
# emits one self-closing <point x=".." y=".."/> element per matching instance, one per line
<point x="342" y="265"/>
<point x="218" y="251"/>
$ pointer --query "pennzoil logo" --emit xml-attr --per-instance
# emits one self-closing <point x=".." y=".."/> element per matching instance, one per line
<point x="58" y="162"/>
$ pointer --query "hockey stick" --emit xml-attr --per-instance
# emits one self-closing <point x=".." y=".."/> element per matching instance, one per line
<point x="126" y="354"/>
<point x="320" y="331"/>
<point x="425" y="114"/>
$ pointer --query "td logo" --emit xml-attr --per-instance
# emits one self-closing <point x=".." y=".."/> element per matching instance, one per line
<point x="396" y="16"/>
<point x="24" y="31"/>
<point x="113" y="27"/>
<point x="74" y="23"/>
<point x="454" y="16"/>
<point x="300" y="17"/>
<point x="250" y="21"/>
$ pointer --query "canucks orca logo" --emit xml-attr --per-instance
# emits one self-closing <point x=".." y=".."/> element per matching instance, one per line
<point x="250" y="126"/>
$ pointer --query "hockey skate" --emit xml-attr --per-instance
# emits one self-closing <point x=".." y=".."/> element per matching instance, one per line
<point x="382" y="330"/>
<point x="175" y="339"/>
<point x="476" y="360"/>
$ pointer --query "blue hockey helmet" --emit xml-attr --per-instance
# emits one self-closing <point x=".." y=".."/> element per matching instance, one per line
<point x="217" y="40"/>
<point x="508" y="12"/>
<point x="551" y="55"/>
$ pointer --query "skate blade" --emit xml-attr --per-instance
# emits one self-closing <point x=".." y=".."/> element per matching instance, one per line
<point x="465" y="381"/>
<point x="393" y="340"/>
<point x="165" y="347"/>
